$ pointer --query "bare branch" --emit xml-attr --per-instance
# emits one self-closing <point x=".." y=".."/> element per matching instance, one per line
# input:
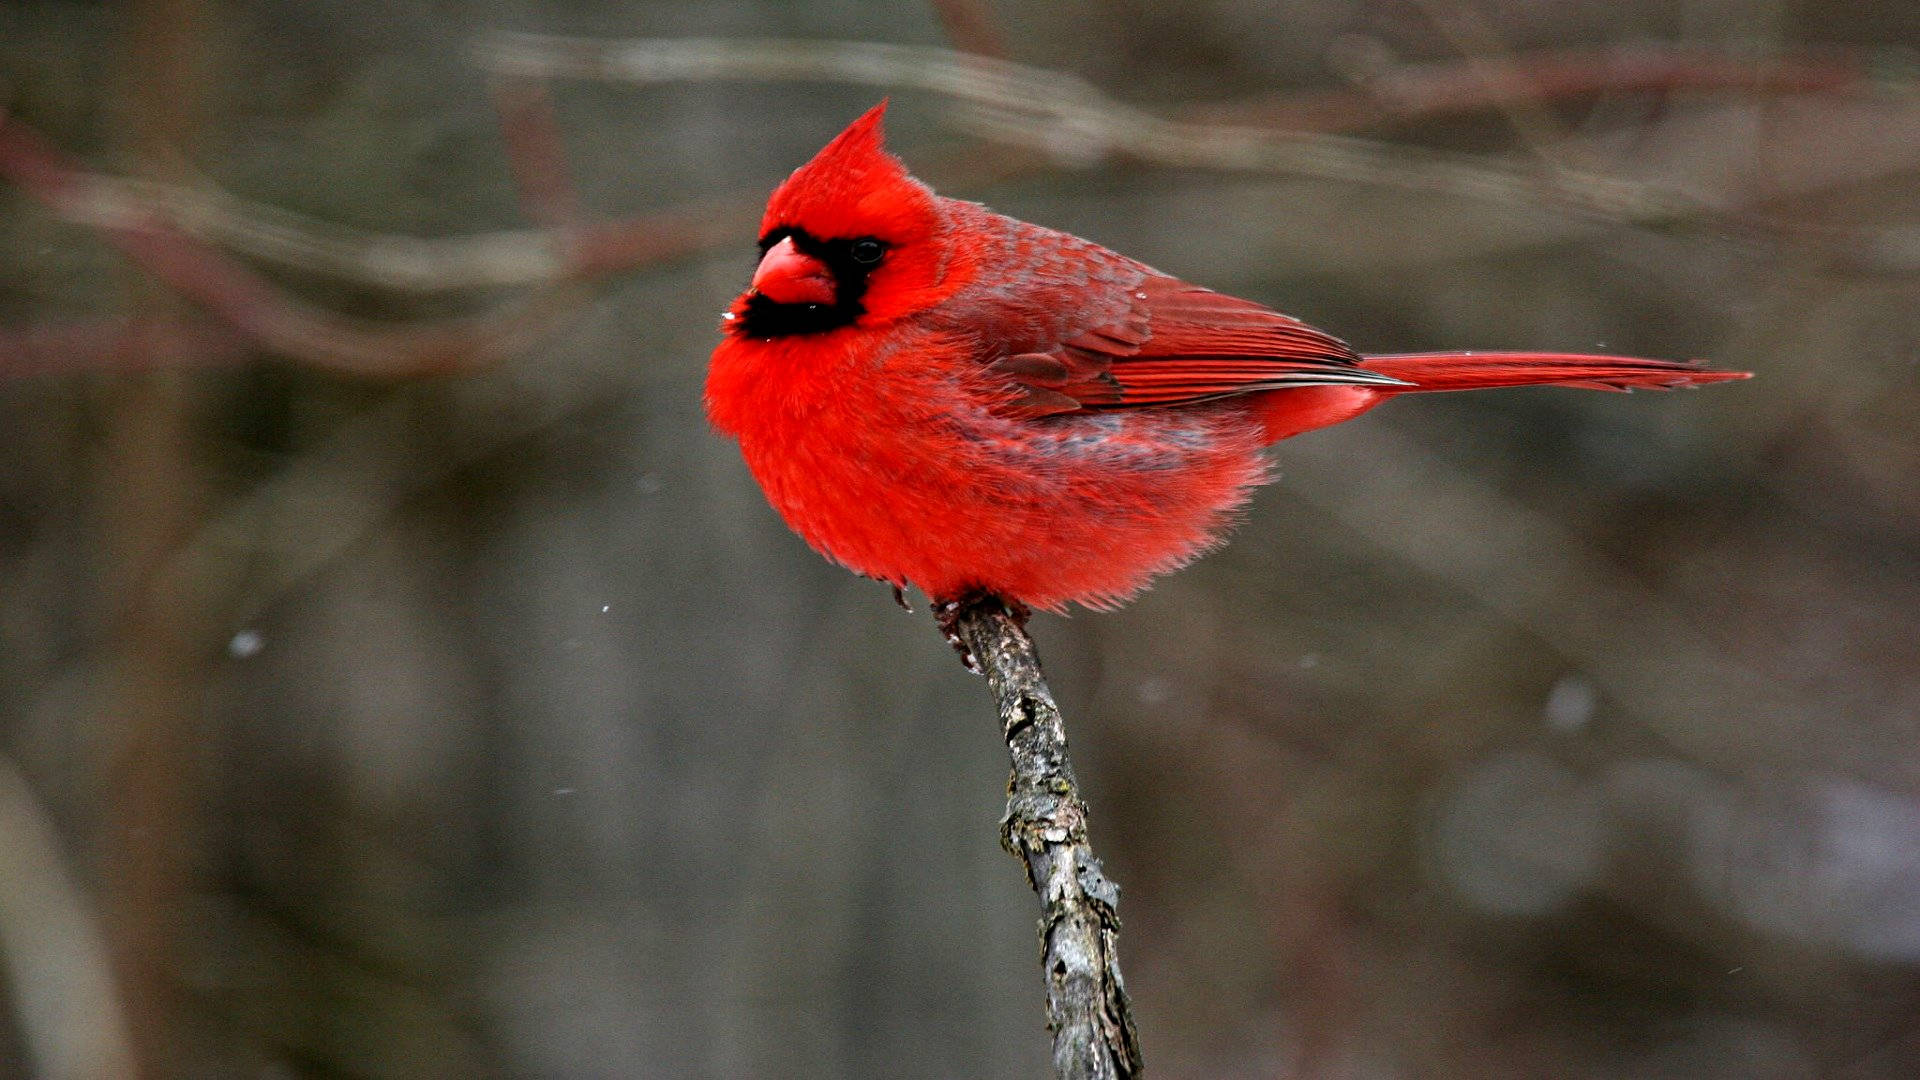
<point x="1409" y="92"/>
<point x="1046" y="828"/>
<point x="389" y="261"/>
<point x="408" y="264"/>
<point x="1070" y="119"/>
<point x="253" y="306"/>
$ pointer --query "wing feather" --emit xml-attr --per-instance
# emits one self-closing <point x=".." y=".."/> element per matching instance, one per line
<point x="1173" y="343"/>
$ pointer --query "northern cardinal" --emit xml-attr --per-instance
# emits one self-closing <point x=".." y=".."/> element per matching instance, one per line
<point x="934" y="394"/>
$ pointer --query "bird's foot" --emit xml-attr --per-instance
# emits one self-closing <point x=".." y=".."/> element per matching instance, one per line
<point x="900" y="597"/>
<point x="947" y="614"/>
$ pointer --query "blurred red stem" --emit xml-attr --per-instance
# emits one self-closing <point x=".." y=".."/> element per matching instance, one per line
<point x="536" y="151"/>
<point x="971" y="27"/>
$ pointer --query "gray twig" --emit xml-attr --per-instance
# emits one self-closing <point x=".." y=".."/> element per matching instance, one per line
<point x="1046" y="828"/>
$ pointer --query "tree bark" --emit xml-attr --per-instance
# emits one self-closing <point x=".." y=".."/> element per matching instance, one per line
<point x="1046" y="828"/>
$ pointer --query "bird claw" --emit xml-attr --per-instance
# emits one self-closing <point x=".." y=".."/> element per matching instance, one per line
<point x="900" y="597"/>
<point x="947" y="615"/>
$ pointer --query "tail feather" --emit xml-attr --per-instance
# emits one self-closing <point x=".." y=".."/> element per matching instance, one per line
<point x="1484" y="370"/>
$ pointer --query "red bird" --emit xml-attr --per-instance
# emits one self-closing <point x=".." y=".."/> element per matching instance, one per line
<point x="934" y="394"/>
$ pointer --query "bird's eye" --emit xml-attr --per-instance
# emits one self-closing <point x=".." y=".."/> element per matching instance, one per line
<point x="868" y="251"/>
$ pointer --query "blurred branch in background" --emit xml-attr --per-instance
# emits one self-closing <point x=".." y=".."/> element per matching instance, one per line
<point x="1071" y="121"/>
<point x="55" y="957"/>
<point x="152" y="491"/>
<point x="246" y="304"/>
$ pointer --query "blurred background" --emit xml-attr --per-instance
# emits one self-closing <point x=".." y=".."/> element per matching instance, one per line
<point x="397" y="678"/>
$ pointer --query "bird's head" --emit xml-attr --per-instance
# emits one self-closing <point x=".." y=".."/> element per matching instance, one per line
<point x="850" y="238"/>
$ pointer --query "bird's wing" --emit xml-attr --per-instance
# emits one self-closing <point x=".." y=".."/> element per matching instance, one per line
<point x="1166" y="342"/>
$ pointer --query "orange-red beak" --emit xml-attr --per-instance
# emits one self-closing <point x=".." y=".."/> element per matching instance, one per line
<point x="788" y="275"/>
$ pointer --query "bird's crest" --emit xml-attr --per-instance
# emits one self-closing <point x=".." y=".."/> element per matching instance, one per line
<point x="852" y="187"/>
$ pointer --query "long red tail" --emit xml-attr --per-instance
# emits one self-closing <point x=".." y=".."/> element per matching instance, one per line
<point x="1483" y="370"/>
<point x="1287" y="412"/>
